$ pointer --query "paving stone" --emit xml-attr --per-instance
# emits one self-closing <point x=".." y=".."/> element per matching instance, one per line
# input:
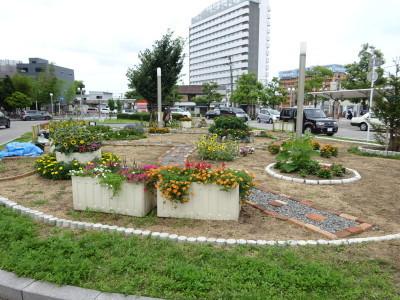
<point x="342" y="233"/>
<point x="11" y="286"/>
<point x="365" y="226"/>
<point x="40" y="290"/>
<point x="201" y="239"/>
<point x="276" y="203"/>
<point x="316" y="217"/>
<point x="348" y="217"/>
<point x="173" y="237"/>
<point x="355" y="229"/>
<point x="164" y="235"/>
<point x="211" y="240"/>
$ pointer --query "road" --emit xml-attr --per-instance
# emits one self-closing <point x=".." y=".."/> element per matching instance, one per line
<point x="17" y="129"/>
<point x="345" y="130"/>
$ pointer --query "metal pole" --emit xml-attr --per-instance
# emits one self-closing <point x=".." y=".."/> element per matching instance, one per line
<point x="159" y="97"/>
<point x="231" y="75"/>
<point x="51" y="101"/>
<point x="80" y="104"/>
<point x="300" y="91"/>
<point x="371" y="95"/>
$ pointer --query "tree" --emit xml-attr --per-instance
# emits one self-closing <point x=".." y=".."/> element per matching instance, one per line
<point x="316" y="78"/>
<point x="273" y="94"/>
<point x="72" y="91"/>
<point x="210" y="94"/>
<point x="132" y="94"/>
<point x="119" y="106"/>
<point x="111" y="104"/>
<point x="357" y="71"/>
<point x="174" y="96"/>
<point x="45" y="84"/>
<point x="23" y="84"/>
<point x="387" y="108"/>
<point x="166" y="54"/>
<point x="6" y="90"/>
<point x="18" y="100"/>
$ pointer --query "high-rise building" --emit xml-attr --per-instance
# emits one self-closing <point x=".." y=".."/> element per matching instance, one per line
<point x="228" y="39"/>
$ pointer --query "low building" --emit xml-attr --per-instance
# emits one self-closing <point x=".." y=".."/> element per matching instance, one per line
<point x="8" y="67"/>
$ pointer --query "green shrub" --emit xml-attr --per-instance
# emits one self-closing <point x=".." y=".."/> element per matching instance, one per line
<point x="328" y="151"/>
<point x="311" y="168"/>
<point x="325" y="172"/>
<point x="230" y="127"/>
<point x="274" y="148"/>
<point x="295" y="154"/>
<point x="338" y="170"/>
<point x="140" y="116"/>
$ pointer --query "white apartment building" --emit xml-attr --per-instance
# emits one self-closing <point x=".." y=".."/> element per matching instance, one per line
<point x="230" y="34"/>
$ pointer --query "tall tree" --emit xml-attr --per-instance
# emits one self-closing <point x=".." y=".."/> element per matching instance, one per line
<point x="18" y="100"/>
<point x="6" y="90"/>
<point x="273" y="94"/>
<point x="167" y="54"/>
<point x="316" y="78"/>
<point x="357" y="72"/>
<point x="111" y="104"/>
<point x="210" y="91"/>
<point x="174" y="96"/>
<point x="387" y="108"/>
<point x="133" y="94"/>
<point x="23" y="84"/>
<point x="45" y="84"/>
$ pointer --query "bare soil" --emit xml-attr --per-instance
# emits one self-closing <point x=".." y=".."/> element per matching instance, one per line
<point x="137" y="154"/>
<point x="15" y="167"/>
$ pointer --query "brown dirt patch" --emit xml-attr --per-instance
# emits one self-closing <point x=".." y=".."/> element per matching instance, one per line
<point x="138" y="154"/>
<point x="15" y="167"/>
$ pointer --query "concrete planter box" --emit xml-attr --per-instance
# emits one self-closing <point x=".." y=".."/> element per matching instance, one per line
<point x="186" y="124"/>
<point x="283" y="126"/>
<point x="206" y="202"/>
<point x="132" y="199"/>
<point x="81" y="157"/>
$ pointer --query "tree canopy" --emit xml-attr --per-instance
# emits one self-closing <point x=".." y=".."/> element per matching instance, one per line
<point x="6" y="90"/>
<point x="357" y="71"/>
<point x="18" y="100"/>
<point x="387" y="107"/>
<point x="248" y="90"/>
<point x="273" y="94"/>
<point x="210" y="91"/>
<point x="167" y="54"/>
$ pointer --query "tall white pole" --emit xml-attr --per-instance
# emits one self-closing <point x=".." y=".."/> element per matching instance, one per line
<point x="51" y="101"/>
<point x="159" y="119"/>
<point x="300" y="91"/>
<point x="371" y="96"/>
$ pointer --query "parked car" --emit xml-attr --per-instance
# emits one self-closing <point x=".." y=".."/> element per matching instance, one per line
<point x="234" y="111"/>
<point x="92" y="110"/>
<point x="180" y="111"/>
<point x="268" y="115"/>
<point x="4" y="120"/>
<point x="35" y="115"/>
<point x="129" y="111"/>
<point x="211" y="114"/>
<point x="365" y="120"/>
<point x="104" y="110"/>
<point x="314" y="120"/>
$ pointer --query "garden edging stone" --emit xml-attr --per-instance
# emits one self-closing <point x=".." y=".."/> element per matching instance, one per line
<point x="146" y="233"/>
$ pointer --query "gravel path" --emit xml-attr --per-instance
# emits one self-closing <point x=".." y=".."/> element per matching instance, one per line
<point x="293" y="209"/>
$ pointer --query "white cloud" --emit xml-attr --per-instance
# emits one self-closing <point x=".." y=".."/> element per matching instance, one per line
<point x="100" y="39"/>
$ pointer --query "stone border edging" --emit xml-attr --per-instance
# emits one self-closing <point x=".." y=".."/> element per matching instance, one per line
<point x="20" y="288"/>
<point x="54" y="221"/>
<point x="356" y="177"/>
<point x="379" y="152"/>
<point x="18" y="176"/>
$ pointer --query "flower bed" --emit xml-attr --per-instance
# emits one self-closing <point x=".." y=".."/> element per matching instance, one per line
<point x="77" y="156"/>
<point x="112" y="188"/>
<point x="210" y="148"/>
<point x="230" y="128"/>
<point x="200" y="192"/>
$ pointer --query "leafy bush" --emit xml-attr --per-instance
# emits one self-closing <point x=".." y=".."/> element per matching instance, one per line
<point x="55" y="125"/>
<point x="328" y="151"/>
<point x="107" y="133"/>
<point x="315" y="145"/>
<point x="338" y="170"/>
<point x="48" y="167"/>
<point x="325" y="172"/>
<point x="209" y="148"/>
<point x="158" y="130"/>
<point x="295" y="154"/>
<point x="230" y="127"/>
<point x="274" y="148"/>
<point x="311" y="168"/>
<point x="140" y="116"/>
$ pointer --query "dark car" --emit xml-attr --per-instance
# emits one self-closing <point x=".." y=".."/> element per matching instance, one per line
<point x="234" y="111"/>
<point x="314" y="120"/>
<point x="4" y="120"/>
<point x="211" y="114"/>
<point x="35" y="115"/>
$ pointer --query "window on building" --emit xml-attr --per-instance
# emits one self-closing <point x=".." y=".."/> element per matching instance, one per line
<point x="99" y="97"/>
<point x="38" y="70"/>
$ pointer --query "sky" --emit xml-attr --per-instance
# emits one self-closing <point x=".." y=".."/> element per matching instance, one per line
<point x="101" y="39"/>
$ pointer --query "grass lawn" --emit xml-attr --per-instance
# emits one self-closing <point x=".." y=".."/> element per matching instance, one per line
<point x="114" y="263"/>
<point x="26" y="137"/>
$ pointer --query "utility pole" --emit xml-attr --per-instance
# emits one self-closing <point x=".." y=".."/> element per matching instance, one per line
<point x="159" y="97"/>
<point x="371" y="96"/>
<point x="300" y="91"/>
<point x="231" y="75"/>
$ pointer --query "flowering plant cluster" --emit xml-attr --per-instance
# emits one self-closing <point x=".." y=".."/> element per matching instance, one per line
<point x="59" y="125"/>
<point x="158" y="130"/>
<point x="174" y="181"/>
<point x="48" y="167"/>
<point x="70" y="139"/>
<point x="274" y="148"/>
<point x="328" y="151"/>
<point x="230" y="127"/>
<point x="208" y="147"/>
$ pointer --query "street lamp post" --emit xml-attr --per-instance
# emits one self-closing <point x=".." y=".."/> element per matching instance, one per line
<point x="300" y="91"/>
<point x="51" y="102"/>
<point x="159" y="97"/>
<point x="371" y="96"/>
<point x="231" y="79"/>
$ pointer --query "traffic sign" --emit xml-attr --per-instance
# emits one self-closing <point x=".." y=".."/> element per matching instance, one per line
<point x="372" y="76"/>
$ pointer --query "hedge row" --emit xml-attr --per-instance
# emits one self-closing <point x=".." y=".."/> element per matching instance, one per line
<point x="141" y="116"/>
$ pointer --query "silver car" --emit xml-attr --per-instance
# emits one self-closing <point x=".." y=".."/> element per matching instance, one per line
<point x="267" y="115"/>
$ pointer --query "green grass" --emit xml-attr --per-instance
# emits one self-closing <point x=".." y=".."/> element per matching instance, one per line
<point x="144" y="266"/>
<point x="356" y="151"/>
<point x="26" y="137"/>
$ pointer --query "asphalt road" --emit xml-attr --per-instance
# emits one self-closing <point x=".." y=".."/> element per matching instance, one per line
<point x="17" y="129"/>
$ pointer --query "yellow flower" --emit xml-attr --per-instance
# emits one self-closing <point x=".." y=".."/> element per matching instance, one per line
<point x="73" y="142"/>
<point x="81" y="142"/>
<point x="60" y="168"/>
<point x="56" y="173"/>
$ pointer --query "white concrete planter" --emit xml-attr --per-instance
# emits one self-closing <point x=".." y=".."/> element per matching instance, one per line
<point x="206" y="202"/>
<point x="131" y="200"/>
<point x="81" y="157"/>
<point x="186" y="124"/>
<point x="283" y="126"/>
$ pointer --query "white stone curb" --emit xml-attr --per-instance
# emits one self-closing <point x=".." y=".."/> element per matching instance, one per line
<point x="356" y="177"/>
<point x="50" y="220"/>
<point x="379" y="152"/>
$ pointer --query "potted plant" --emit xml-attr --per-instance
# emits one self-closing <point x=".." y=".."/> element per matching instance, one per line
<point x="197" y="191"/>
<point x="76" y="143"/>
<point x="112" y="188"/>
<point x="186" y="122"/>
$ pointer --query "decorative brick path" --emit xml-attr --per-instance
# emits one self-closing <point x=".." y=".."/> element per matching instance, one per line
<point x="177" y="155"/>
